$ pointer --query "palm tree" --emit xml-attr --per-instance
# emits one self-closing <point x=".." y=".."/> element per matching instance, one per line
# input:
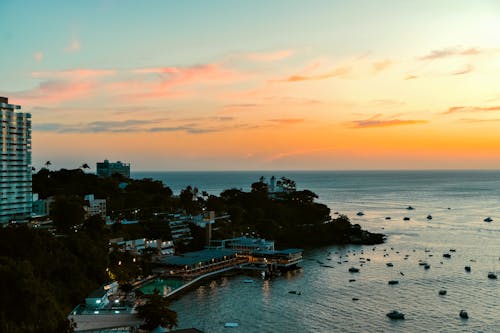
<point x="155" y="312"/>
<point x="47" y="164"/>
<point x="84" y="166"/>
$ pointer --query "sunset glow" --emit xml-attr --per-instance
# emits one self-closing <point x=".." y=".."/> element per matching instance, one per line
<point x="246" y="85"/>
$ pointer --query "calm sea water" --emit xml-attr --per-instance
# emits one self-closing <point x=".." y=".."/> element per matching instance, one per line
<point x="458" y="202"/>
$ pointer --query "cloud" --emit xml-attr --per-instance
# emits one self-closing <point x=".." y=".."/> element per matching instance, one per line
<point x="269" y="56"/>
<point x="188" y="129"/>
<point x="38" y="56"/>
<point x="468" y="68"/>
<point x="199" y="126"/>
<point x="472" y="120"/>
<point x="131" y="125"/>
<point x="379" y="66"/>
<point x="73" y="46"/>
<point x="456" y="109"/>
<point x="53" y="91"/>
<point x="375" y="121"/>
<point x="339" y="71"/>
<point x="287" y="121"/>
<point x="160" y="82"/>
<point x="77" y="74"/>
<point x="449" y="52"/>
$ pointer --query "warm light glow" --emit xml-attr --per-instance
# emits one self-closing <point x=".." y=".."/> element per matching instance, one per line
<point x="342" y="89"/>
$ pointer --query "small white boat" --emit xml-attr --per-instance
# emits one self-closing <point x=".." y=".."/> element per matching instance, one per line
<point x="231" y="325"/>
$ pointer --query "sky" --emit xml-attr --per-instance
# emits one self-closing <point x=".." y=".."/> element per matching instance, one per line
<point x="256" y="85"/>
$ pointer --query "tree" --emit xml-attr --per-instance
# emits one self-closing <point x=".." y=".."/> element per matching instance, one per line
<point x="47" y="164"/>
<point x="155" y="312"/>
<point x="84" y="166"/>
<point x="66" y="212"/>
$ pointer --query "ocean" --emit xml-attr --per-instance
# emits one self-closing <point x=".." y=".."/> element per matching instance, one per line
<point x="458" y="201"/>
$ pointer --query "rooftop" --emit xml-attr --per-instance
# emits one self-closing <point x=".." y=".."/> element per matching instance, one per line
<point x="191" y="258"/>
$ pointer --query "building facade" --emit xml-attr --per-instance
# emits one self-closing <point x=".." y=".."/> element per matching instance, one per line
<point x="107" y="169"/>
<point x="15" y="167"/>
<point x="94" y="206"/>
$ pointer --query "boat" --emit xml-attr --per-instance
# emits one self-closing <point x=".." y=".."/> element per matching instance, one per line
<point x="442" y="292"/>
<point x="429" y="217"/>
<point x="492" y="275"/>
<point x="393" y="282"/>
<point x="231" y="325"/>
<point x="467" y="268"/>
<point x="427" y="266"/>
<point x="360" y="213"/>
<point x="352" y="280"/>
<point x="394" y="314"/>
<point x="488" y="219"/>
<point x="464" y="314"/>
<point x="354" y="270"/>
<point x="446" y="255"/>
<point x="389" y="264"/>
<point x="410" y="208"/>
<point x="406" y="218"/>
<point x="387" y="217"/>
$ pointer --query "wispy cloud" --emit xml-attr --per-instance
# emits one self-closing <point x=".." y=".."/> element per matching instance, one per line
<point x="376" y="121"/>
<point x="379" y="66"/>
<point x="449" y="52"/>
<point x="287" y="121"/>
<point x="79" y="73"/>
<point x="337" y="72"/>
<point x="457" y="109"/>
<point x="38" y="56"/>
<point x="199" y="125"/>
<point x="472" y="120"/>
<point x="53" y="91"/>
<point x="411" y="77"/>
<point x="73" y="46"/>
<point x="468" y="68"/>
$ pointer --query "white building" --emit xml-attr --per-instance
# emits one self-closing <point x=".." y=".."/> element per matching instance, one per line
<point x="15" y="167"/>
<point x="94" y="206"/>
<point x="164" y="248"/>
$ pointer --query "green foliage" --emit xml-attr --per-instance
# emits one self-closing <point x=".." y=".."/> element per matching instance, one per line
<point x="42" y="277"/>
<point x="66" y="212"/>
<point x="292" y="218"/>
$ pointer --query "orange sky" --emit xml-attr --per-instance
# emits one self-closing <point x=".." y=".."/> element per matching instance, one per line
<point x="343" y="89"/>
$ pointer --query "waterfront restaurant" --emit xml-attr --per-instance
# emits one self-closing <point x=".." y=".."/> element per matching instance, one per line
<point x="201" y="262"/>
<point x="283" y="259"/>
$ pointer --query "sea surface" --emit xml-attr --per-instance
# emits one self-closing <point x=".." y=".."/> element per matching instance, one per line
<point x="458" y="201"/>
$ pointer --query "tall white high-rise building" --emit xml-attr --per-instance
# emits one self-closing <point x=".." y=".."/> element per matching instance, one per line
<point x="15" y="168"/>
